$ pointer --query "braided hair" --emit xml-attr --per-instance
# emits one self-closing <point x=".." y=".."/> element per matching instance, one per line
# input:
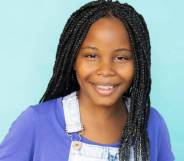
<point x="63" y="81"/>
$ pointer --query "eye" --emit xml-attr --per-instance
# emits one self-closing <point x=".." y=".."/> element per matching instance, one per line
<point x="120" y="59"/>
<point x="90" y="56"/>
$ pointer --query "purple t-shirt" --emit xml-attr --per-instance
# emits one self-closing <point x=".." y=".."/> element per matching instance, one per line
<point x="39" y="134"/>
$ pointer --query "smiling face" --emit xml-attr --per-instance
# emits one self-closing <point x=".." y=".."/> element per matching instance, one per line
<point x="104" y="65"/>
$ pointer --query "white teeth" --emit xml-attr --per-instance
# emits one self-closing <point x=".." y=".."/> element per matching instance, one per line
<point x="104" y="87"/>
<point x="104" y="90"/>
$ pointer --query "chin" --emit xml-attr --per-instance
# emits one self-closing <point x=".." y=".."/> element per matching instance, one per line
<point x="107" y="101"/>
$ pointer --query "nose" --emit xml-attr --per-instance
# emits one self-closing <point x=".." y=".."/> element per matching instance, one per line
<point x="105" y="69"/>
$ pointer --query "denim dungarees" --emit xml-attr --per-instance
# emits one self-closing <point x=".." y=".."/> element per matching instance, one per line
<point x="80" y="151"/>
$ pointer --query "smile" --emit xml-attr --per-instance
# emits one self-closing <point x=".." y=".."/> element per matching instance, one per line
<point x="105" y="90"/>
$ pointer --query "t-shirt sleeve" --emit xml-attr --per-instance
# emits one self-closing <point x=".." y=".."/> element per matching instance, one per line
<point x="18" y="143"/>
<point x="164" y="148"/>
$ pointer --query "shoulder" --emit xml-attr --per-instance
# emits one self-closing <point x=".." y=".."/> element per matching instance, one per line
<point x="45" y="107"/>
<point x="154" y="113"/>
<point x="29" y="127"/>
<point x="159" y="137"/>
<point x="32" y="112"/>
<point x="36" y="115"/>
<point x="156" y="124"/>
<point x="155" y="119"/>
<point x="49" y="112"/>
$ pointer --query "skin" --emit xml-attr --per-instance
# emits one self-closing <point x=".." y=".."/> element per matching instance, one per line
<point x="105" y="58"/>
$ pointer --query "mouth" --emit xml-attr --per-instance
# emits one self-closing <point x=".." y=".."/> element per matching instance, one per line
<point x="105" y="89"/>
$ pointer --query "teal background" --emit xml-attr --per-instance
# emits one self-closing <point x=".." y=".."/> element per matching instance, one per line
<point x="29" y="34"/>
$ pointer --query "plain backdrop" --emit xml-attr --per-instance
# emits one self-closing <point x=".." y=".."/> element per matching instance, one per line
<point x="29" y="34"/>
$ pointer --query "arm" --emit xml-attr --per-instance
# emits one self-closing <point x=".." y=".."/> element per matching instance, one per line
<point x="18" y="143"/>
<point x="164" y="148"/>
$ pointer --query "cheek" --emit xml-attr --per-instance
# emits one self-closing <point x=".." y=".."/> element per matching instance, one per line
<point x="131" y="72"/>
<point x="83" y="71"/>
<point x="126" y="72"/>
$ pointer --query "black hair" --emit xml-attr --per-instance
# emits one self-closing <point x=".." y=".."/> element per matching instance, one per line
<point x="64" y="79"/>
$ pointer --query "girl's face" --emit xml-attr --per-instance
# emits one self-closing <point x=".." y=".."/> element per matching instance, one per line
<point x="104" y="65"/>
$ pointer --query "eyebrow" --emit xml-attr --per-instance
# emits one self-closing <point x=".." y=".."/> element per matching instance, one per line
<point x="94" y="48"/>
<point x="89" y="47"/>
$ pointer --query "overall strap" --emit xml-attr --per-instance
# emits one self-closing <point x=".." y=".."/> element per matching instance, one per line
<point x="72" y="113"/>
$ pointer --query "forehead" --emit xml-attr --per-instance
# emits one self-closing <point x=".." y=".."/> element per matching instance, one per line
<point x="108" y="31"/>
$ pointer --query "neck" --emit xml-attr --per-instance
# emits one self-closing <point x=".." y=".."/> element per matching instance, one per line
<point x="102" y="113"/>
<point x="102" y="123"/>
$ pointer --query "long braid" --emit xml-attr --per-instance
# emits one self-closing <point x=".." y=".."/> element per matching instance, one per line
<point x="63" y="81"/>
<point x="63" y="51"/>
<point x="66" y="51"/>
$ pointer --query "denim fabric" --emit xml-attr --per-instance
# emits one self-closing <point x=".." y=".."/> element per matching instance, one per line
<point x="89" y="152"/>
<point x="71" y="113"/>
<point x="83" y="151"/>
<point x="51" y="142"/>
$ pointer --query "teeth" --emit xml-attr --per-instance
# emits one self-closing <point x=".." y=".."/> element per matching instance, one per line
<point x="104" y="90"/>
<point x="104" y="87"/>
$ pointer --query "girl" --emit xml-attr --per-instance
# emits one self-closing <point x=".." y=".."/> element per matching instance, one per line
<point x="97" y="104"/>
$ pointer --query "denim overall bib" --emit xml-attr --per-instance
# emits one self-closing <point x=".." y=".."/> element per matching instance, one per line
<point x="80" y="151"/>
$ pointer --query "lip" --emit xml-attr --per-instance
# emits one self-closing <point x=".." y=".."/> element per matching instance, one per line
<point x="105" y="89"/>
